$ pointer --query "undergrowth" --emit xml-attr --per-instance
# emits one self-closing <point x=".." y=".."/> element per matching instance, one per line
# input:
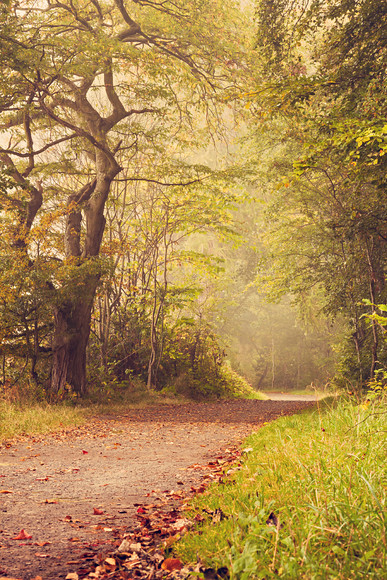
<point x="307" y="502"/>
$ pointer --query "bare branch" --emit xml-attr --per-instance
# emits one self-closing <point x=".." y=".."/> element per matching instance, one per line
<point x="166" y="184"/>
<point x="78" y="131"/>
<point x="42" y="150"/>
<point x="134" y="28"/>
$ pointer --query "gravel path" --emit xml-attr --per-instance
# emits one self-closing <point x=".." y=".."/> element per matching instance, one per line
<point x="52" y="486"/>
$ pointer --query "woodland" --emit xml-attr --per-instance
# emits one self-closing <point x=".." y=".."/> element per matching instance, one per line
<point x="192" y="196"/>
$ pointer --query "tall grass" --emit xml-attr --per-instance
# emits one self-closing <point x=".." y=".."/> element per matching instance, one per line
<point x="308" y="500"/>
<point x="16" y="419"/>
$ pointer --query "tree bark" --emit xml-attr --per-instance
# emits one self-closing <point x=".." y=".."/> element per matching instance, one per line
<point x="71" y="336"/>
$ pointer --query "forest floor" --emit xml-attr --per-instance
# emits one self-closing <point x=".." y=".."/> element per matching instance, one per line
<point x="79" y="492"/>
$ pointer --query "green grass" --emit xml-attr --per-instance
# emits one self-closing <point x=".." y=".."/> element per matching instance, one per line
<point x="16" y="419"/>
<point x="322" y="474"/>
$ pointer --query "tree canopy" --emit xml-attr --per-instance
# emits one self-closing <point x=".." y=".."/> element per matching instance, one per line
<point x="326" y="92"/>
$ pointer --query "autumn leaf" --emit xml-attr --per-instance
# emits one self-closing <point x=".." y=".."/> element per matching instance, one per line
<point x="5" y="491"/>
<point x="110" y="564"/>
<point x="41" y="544"/>
<point x="72" y="576"/>
<point x="97" y="512"/>
<point x="22" y="536"/>
<point x="84" y="452"/>
<point x="172" y="564"/>
<point x="182" y="524"/>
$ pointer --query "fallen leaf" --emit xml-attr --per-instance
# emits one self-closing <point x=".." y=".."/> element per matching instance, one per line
<point x="135" y="547"/>
<point x="84" y="452"/>
<point x="124" y="546"/>
<point x="22" y="536"/>
<point x="110" y="564"/>
<point x="5" y="491"/>
<point x="181" y="524"/>
<point x="97" y="512"/>
<point x="97" y="573"/>
<point x="50" y="501"/>
<point x="39" y="555"/>
<point x="72" y="576"/>
<point x="42" y="478"/>
<point x="8" y="578"/>
<point x="172" y="564"/>
<point x="41" y="544"/>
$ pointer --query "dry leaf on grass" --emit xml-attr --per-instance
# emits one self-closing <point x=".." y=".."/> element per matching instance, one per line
<point x="172" y="564"/>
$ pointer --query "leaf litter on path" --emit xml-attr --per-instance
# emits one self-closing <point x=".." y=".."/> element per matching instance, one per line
<point x="172" y="450"/>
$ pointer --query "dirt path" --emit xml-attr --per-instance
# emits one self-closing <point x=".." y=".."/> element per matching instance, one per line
<point x="49" y="486"/>
<point x="277" y="396"/>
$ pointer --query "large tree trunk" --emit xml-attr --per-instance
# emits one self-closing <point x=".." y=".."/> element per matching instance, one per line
<point x="73" y="316"/>
<point x="71" y="336"/>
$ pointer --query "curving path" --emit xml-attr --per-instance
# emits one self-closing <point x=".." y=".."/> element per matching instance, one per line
<point x="51" y="486"/>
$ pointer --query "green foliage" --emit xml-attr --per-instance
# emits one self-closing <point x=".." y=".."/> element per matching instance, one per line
<point x="197" y="363"/>
<point x="117" y="103"/>
<point x="308" y="500"/>
<point x="326" y="103"/>
<point x="377" y="385"/>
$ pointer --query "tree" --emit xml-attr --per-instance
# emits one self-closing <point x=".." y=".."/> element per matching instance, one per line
<point x="148" y="289"/>
<point x="92" y="84"/>
<point x="329" y="102"/>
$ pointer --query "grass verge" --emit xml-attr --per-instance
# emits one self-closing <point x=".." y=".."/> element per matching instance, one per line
<point x="16" y="419"/>
<point x="307" y="502"/>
